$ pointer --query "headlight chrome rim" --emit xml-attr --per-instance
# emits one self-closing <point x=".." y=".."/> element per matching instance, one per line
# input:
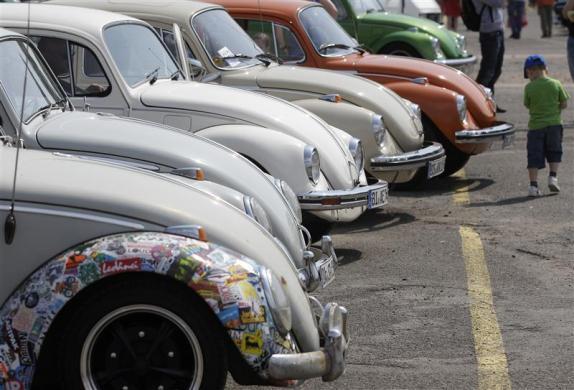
<point x="356" y="149"/>
<point x="461" y="107"/>
<point x="312" y="163"/>
<point x="379" y="129"/>
<point x="291" y="198"/>
<point x="436" y="47"/>
<point x="277" y="301"/>
<point x="254" y="209"/>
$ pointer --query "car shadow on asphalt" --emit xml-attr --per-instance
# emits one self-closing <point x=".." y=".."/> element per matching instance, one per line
<point x="348" y="255"/>
<point x="374" y="220"/>
<point x="445" y="186"/>
<point x="509" y="201"/>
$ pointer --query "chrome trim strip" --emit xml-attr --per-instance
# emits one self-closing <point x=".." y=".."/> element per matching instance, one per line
<point x="457" y="61"/>
<point x="74" y="215"/>
<point x="410" y="160"/>
<point x="484" y="135"/>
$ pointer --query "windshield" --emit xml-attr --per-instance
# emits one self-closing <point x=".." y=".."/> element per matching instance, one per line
<point x="327" y="36"/>
<point x="366" y="6"/>
<point x="41" y="89"/>
<point x="138" y="53"/>
<point x="226" y="43"/>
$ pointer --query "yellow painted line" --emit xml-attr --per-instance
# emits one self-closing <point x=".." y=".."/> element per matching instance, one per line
<point x="490" y="355"/>
<point x="460" y="195"/>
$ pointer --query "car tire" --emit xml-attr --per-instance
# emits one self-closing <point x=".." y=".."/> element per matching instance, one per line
<point x="141" y="332"/>
<point x="455" y="159"/>
<point x="317" y="227"/>
<point x="400" y="49"/>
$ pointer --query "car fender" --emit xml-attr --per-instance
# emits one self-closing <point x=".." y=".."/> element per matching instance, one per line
<point x="206" y="268"/>
<point x="418" y="40"/>
<point x="278" y="154"/>
<point x="346" y="116"/>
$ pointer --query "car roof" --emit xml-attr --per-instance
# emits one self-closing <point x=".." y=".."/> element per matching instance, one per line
<point x="87" y="21"/>
<point x="8" y="33"/>
<point x="285" y="7"/>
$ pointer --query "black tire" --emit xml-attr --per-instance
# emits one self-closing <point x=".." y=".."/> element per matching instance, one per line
<point x="455" y="159"/>
<point x="401" y="49"/>
<point x="317" y="227"/>
<point x="131" y="342"/>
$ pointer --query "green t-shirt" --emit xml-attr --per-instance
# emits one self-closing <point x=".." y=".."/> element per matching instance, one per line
<point x="542" y="97"/>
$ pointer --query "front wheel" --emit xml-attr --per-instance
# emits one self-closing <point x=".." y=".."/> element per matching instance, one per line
<point x="131" y="336"/>
<point x="400" y="49"/>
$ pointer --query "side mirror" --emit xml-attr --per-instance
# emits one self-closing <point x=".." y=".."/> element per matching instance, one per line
<point x="196" y="68"/>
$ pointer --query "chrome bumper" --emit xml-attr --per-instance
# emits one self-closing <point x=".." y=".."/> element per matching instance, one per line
<point x="313" y="275"/>
<point x="408" y="161"/>
<point x="498" y="132"/>
<point x="458" y="62"/>
<point x="339" y="199"/>
<point x="329" y="362"/>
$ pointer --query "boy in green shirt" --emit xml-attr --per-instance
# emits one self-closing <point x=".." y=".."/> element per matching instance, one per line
<point x="545" y="99"/>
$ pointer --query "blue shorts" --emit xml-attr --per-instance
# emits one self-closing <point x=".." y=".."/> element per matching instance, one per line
<point x="544" y="145"/>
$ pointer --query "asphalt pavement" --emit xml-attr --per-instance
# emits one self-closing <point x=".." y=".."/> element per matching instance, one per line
<point x="467" y="284"/>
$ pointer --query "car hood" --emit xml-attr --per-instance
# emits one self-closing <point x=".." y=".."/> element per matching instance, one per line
<point x="169" y="148"/>
<point x="157" y="201"/>
<point x="356" y="90"/>
<point x="438" y="75"/>
<point x="261" y="110"/>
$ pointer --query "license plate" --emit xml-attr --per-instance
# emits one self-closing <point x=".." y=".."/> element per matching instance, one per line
<point x="326" y="268"/>
<point x="507" y="140"/>
<point x="435" y="167"/>
<point x="378" y="197"/>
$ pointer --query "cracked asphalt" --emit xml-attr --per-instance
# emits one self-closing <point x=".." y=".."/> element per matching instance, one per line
<point x="402" y="274"/>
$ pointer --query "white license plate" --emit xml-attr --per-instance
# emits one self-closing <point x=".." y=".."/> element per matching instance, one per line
<point x="326" y="268"/>
<point x="378" y="197"/>
<point x="435" y="167"/>
<point x="507" y="140"/>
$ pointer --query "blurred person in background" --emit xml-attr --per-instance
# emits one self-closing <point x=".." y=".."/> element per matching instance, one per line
<point x="451" y="9"/>
<point x="568" y="14"/>
<point x="516" y="17"/>
<point x="545" y="12"/>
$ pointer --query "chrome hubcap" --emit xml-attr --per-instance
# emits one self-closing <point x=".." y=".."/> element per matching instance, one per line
<point x="141" y="347"/>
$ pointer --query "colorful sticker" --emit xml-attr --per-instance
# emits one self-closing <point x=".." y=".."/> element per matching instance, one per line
<point x="227" y="281"/>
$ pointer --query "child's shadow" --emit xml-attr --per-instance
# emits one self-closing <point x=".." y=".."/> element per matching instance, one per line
<point x="510" y="201"/>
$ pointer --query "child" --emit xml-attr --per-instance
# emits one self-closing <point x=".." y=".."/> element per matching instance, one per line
<point x="545" y="98"/>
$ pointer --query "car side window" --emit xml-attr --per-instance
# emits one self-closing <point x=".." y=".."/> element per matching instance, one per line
<point x="341" y="11"/>
<point x="77" y="68"/>
<point x="288" y="47"/>
<point x="262" y="34"/>
<point x="168" y="38"/>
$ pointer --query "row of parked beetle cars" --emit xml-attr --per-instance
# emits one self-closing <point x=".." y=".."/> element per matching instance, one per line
<point x="163" y="179"/>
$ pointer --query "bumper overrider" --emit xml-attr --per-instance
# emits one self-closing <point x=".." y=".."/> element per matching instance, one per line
<point x="502" y="131"/>
<point x="410" y="160"/>
<point x="320" y="266"/>
<point x="457" y="62"/>
<point x="327" y="363"/>
<point x="359" y="198"/>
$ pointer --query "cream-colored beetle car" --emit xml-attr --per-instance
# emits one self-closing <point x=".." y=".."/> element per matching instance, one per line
<point x="388" y="126"/>
<point x="114" y="63"/>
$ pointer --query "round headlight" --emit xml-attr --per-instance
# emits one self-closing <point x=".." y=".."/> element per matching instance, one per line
<point x="277" y="300"/>
<point x="291" y="198"/>
<point x="461" y="107"/>
<point x="254" y="209"/>
<point x="436" y="47"/>
<point x="312" y="163"/>
<point x="356" y="149"/>
<point x="378" y="129"/>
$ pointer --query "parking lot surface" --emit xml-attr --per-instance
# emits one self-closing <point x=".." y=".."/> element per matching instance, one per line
<point x="467" y="284"/>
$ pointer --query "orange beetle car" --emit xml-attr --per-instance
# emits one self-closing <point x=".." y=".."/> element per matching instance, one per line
<point x="457" y="111"/>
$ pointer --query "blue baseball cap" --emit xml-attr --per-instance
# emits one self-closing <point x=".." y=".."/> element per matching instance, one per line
<point x="533" y="60"/>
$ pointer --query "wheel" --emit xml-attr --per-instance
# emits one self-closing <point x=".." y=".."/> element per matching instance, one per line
<point x="400" y="49"/>
<point x="317" y="227"/>
<point x="455" y="159"/>
<point x="130" y="336"/>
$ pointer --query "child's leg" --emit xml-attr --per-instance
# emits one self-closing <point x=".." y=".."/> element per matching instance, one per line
<point x="554" y="155"/>
<point x="533" y="175"/>
<point x="535" y="152"/>
<point x="554" y="168"/>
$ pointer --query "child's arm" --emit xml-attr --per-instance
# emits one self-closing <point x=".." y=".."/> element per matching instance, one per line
<point x="563" y="104"/>
<point x="526" y="100"/>
<point x="562" y="96"/>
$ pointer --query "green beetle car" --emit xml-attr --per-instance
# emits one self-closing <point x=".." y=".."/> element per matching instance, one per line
<point x="387" y="33"/>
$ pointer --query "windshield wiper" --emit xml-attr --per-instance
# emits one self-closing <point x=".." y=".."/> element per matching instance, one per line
<point x="152" y="76"/>
<point x="47" y="109"/>
<point x="265" y="57"/>
<point x="361" y="49"/>
<point x="175" y="75"/>
<point x="326" y="46"/>
<point x="236" y="56"/>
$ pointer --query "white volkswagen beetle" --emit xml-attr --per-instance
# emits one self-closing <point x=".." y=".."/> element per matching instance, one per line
<point x="51" y="123"/>
<point x="388" y="126"/>
<point x="116" y="64"/>
<point x="104" y="288"/>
